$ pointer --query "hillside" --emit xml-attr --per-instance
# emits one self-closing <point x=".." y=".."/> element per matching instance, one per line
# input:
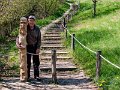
<point x="100" y="33"/>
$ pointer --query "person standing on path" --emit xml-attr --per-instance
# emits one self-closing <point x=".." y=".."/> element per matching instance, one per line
<point x="33" y="46"/>
<point x="34" y="43"/>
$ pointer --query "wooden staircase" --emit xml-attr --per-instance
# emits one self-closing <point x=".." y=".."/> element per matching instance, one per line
<point x="52" y="40"/>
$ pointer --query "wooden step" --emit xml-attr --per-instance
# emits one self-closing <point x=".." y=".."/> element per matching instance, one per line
<point x="58" y="51"/>
<point x="58" y="58"/>
<point x="58" y="34"/>
<point x="55" y="29"/>
<point x="48" y="47"/>
<point x="52" y="38"/>
<point x="51" y="35"/>
<point x="60" y="66"/>
<point x="52" y="45"/>
<point x="48" y="53"/>
<point x="55" y="26"/>
<point x="51" y="42"/>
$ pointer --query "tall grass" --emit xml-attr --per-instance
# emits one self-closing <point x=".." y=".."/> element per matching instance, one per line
<point x="100" y="33"/>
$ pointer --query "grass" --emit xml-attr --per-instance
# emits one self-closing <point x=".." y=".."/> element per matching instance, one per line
<point x="9" y="49"/>
<point x="100" y="33"/>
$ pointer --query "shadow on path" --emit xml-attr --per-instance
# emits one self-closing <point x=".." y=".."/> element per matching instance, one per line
<point x="14" y="83"/>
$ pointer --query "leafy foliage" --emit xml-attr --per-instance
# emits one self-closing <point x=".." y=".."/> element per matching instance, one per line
<point x="12" y="10"/>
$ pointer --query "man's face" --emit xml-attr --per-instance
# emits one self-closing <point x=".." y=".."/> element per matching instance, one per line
<point x="31" y="22"/>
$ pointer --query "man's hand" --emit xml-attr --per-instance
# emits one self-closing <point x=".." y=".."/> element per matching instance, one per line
<point x="37" y="51"/>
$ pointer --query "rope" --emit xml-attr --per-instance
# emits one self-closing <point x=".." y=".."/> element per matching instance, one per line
<point x="82" y="44"/>
<point x="108" y="61"/>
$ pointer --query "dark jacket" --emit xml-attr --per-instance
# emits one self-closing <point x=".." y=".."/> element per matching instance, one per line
<point x="34" y="36"/>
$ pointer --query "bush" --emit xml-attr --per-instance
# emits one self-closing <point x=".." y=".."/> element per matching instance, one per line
<point x="2" y="39"/>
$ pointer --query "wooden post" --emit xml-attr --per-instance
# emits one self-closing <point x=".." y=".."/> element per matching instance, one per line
<point x="64" y="22"/>
<point x="66" y="33"/>
<point x="67" y="18"/>
<point x="94" y="7"/>
<point x="73" y="42"/>
<point x="71" y="14"/>
<point x="98" y="64"/>
<point x="77" y="8"/>
<point x="61" y="26"/>
<point x="10" y="26"/>
<point x="54" y="77"/>
<point x="74" y="9"/>
<point x="79" y="5"/>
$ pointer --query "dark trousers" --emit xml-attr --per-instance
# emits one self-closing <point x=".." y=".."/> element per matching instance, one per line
<point x="35" y="58"/>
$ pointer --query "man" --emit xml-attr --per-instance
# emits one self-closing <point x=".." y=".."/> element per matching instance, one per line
<point x="33" y="46"/>
<point x="34" y="42"/>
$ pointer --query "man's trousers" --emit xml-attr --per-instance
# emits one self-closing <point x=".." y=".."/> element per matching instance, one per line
<point x="35" y="58"/>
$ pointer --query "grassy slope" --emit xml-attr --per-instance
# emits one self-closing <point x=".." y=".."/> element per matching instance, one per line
<point x="100" y="33"/>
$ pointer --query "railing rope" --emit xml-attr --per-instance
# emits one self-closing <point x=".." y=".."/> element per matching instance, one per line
<point x="108" y="61"/>
<point x="81" y="43"/>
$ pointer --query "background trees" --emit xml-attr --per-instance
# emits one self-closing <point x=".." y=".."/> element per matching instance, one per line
<point x="12" y="10"/>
